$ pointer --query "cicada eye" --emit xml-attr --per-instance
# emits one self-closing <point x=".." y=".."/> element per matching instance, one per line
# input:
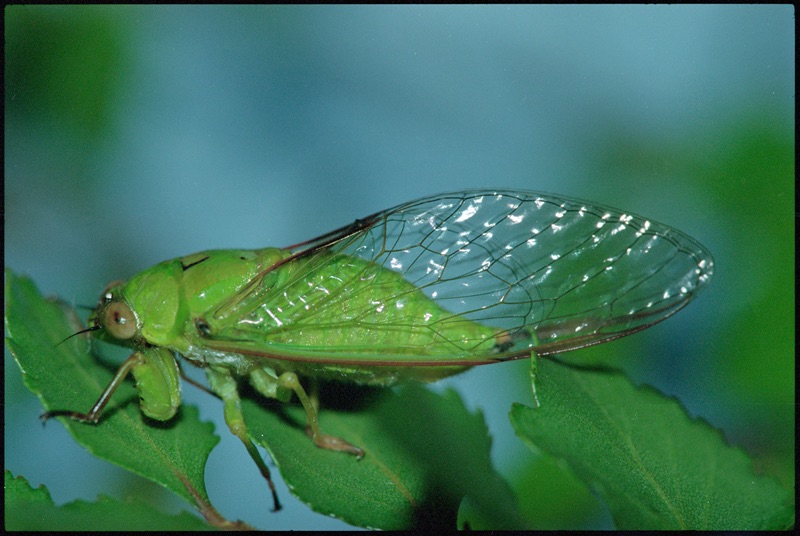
<point x="108" y="293"/>
<point x="119" y="321"/>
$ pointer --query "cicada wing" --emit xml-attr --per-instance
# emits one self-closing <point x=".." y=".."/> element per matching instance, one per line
<point x="563" y="268"/>
<point x="565" y="272"/>
<point x="332" y="237"/>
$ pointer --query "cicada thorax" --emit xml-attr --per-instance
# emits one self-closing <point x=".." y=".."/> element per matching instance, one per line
<point x="213" y="281"/>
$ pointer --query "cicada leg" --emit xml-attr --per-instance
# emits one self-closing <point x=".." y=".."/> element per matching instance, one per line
<point x="281" y="388"/>
<point x="534" y="372"/>
<point x="94" y="414"/>
<point x="289" y="380"/>
<point x="226" y="387"/>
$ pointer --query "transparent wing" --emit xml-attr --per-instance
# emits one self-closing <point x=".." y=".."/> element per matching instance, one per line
<point x="567" y="272"/>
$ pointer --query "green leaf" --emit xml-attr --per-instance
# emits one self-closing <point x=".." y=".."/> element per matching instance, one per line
<point x="33" y="510"/>
<point x="423" y="453"/>
<point x="655" y="467"/>
<point x="555" y="497"/>
<point x="65" y="376"/>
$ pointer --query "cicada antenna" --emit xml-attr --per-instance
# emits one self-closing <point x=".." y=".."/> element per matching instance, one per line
<point x="87" y="330"/>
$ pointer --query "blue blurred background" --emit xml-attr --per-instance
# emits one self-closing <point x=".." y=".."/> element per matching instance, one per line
<point x="134" y="134"/>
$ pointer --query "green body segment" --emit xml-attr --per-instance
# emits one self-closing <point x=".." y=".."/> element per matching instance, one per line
<point x="158" y="382"/>
<point x="336" y="305"/>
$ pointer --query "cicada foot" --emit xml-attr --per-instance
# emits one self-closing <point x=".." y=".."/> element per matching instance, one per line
<point x="289" y="380"/>
<point x="329" y="442"/>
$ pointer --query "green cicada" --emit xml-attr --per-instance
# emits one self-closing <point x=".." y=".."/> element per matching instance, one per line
<point x="421" y="291"/>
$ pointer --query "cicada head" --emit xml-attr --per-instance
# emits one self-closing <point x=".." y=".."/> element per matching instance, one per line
<point x="114" y="319"/>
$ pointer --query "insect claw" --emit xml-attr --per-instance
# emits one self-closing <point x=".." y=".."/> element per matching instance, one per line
<point x="80" y="417"/>
<point x="276" y="504"/>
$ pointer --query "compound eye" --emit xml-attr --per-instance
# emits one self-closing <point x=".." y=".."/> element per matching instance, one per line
<point x="119" y="321"/>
